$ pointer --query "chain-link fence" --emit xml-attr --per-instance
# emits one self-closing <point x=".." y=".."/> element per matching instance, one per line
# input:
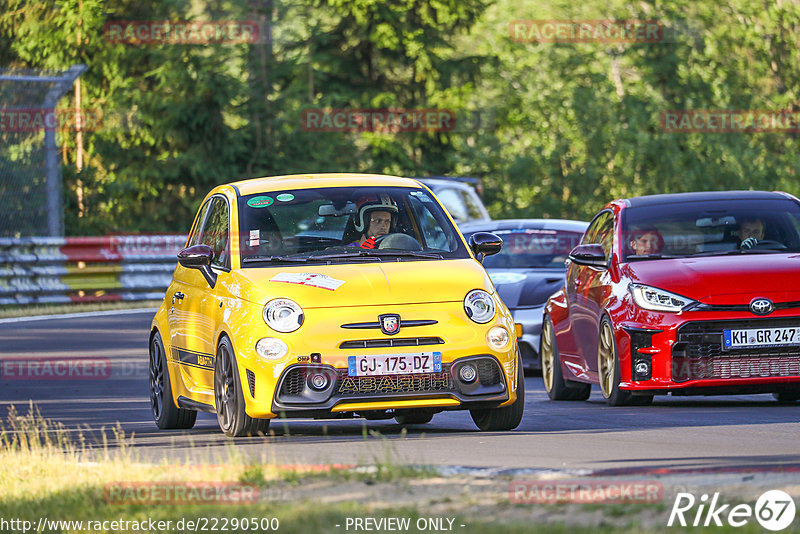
<point x="31" y="198"/>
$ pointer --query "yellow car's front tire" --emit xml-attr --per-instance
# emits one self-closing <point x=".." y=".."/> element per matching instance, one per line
<point x="229" y="396"/>
<point x="507" y="417"/>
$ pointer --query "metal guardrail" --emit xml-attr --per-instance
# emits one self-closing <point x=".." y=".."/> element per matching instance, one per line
<point x="38" y="270"/>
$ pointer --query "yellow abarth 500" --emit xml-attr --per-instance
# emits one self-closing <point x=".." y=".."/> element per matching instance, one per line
<point x="332" y="296"/>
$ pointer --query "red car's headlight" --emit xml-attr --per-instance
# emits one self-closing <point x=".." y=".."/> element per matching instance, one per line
<point x="655" y="299"/>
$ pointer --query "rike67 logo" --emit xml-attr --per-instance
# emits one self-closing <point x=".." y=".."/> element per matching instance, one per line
<point x="774" y="510"/>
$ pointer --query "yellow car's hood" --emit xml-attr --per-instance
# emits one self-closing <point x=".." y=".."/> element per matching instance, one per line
<point x="363" y="284"/>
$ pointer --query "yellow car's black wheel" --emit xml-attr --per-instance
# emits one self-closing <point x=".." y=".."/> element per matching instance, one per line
<point x="165" y="413"/>
<point x="413" y="417"/>
<point x="229" y="398"/>
<point x="554" y="383"/>
<point x="507" y="417"/>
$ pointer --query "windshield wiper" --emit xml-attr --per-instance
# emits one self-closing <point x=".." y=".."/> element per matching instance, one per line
<point x="735" y="252"/>
<point x="358" y="254"/>
<point x="406" y="253"/>
<point x="273" y="259"/>
<point x="637" y="257"/>
<point x="372" y="254"/>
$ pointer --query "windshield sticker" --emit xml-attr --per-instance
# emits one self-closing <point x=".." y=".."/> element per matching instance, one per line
<point x="260" y="202"/>
<point x="254" y="238"/>
<point x="285" y="197"/>
<point x="322" y="281"/>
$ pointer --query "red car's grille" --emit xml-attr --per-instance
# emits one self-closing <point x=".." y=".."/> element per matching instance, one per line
<point x="736" y="367"/>
<point x="698" y="353"/>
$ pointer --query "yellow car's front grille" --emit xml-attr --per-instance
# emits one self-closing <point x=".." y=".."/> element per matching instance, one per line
<point x="379" y="385"/>
<point x="391" y="342"/>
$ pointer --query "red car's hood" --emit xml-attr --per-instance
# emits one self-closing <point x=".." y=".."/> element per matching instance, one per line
<point x="723" y="279"/>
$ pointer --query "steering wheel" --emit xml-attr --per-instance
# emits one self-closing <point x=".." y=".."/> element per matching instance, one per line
<point x="398" y="241"/>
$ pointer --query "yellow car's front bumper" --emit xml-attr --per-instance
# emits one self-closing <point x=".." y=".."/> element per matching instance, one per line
<point x="283" y="388"/>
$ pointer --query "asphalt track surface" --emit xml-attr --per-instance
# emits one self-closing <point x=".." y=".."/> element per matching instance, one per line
<point x="674" y="434"/>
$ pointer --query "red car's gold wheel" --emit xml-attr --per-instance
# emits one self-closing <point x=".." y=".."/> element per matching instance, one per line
<point x="548" y="358"/>
<point x="606" y="360"/>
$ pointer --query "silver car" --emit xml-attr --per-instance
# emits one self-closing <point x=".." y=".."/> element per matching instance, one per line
<point x="459" y="197"/>
<point x="529" y="269"/>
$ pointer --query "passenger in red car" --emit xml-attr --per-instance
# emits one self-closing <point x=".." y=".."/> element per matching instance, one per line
<point x="646" y="240"/>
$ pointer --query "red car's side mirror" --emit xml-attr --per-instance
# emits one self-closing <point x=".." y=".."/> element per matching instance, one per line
<point x="591" y="255"/>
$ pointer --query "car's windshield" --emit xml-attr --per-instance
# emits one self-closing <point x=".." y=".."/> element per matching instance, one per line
<point x="710" y="228"/>
<point x="345" y="224"/>
<point x="533" y="247"/>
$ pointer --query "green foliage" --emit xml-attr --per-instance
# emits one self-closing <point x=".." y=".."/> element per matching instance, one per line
<point x="562" y="129"/>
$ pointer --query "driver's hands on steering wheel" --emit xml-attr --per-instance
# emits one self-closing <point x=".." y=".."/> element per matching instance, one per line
<point x="369" y="243"/>
<point x="748" y="243"/>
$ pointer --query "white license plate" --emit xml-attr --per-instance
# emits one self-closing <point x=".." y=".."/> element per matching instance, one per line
<point x="761" y="337"/>
<point x="394" y="364"/>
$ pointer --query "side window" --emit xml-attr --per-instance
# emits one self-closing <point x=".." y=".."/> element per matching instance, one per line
<point x="194" y="238"/>
<point x="601" y="232"/>
<point x="453" y="202"/>
<point x="215" y="232"/>
<point x="431" y="229"/>
<point x="471" y="204"/>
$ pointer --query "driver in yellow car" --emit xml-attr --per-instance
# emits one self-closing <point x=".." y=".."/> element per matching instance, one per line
<point x="374" y="220"/>
<point x="379" y="224"/>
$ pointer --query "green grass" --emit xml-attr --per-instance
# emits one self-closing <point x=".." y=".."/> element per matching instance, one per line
<point x="48" y="472"/>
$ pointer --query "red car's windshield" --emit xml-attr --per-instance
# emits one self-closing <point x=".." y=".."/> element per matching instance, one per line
<point x="710" y="227"/>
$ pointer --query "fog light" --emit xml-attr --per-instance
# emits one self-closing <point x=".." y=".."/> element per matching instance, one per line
<point x="271" y="348"/>
<point x="318" y="381"/>
<point x="467" y="373"/>
<point x="497" y="338"/>
<point x="642" y="368"/>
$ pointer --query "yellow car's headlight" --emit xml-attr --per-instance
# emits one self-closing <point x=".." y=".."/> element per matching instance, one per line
<point x="497" y="337"/>
<point x="283" y="315"/>
<point x="271" y="348"/>
<point x="479" y="306"/>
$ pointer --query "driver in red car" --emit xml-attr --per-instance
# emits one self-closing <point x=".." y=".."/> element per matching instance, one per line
<point x="751" y="231"/>
<point x="375" y="219"/>
<point x="646" y="240"/>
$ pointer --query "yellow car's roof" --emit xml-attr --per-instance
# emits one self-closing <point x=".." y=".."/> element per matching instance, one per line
<point x="307" y="181"/>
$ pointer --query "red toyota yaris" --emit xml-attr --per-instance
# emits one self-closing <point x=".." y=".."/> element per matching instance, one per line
<point x="689" y="294"/>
